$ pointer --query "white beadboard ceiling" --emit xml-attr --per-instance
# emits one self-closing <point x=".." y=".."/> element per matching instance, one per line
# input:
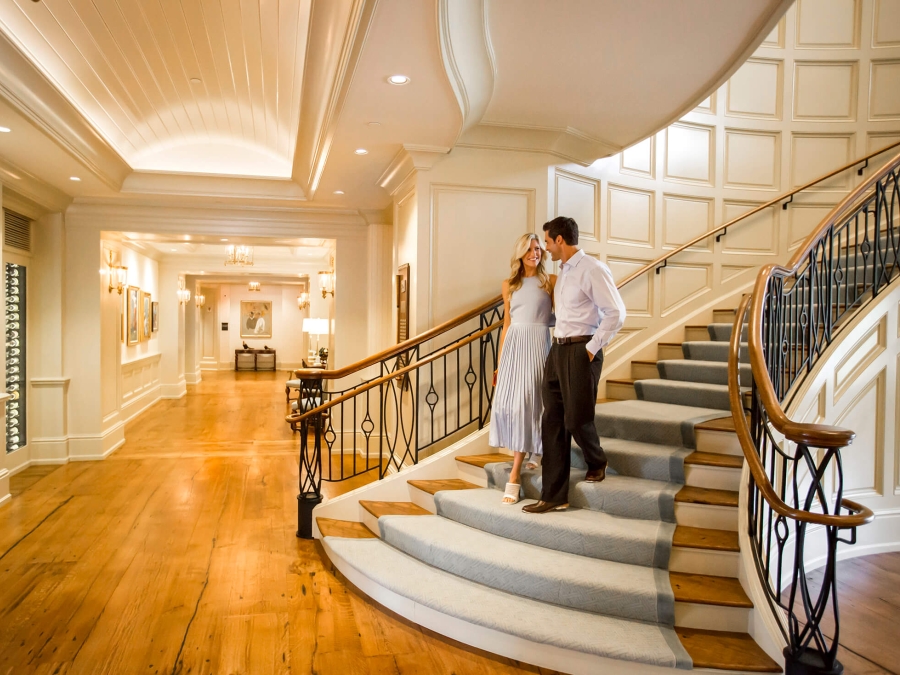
<point x="198" y="86"/>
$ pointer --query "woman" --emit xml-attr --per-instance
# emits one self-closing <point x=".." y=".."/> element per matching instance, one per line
<point x="524" y="345"/>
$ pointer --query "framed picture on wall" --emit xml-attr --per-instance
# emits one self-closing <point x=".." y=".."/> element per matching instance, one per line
<point x="256" y="319"/>
<point x="133" y="315"/>
<point x="146" y="311"/>
<point x="154" y="324"/>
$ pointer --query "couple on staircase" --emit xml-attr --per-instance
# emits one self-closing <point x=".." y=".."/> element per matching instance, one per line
<point x="546" y="389"/>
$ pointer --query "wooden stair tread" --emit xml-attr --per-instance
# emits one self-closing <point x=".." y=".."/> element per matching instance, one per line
<point x="696" y="495"/>
<point x="718" y="424"/>
<point x="704" y="538"/>
<point x="714" y="459"/>
<point x="620" y="380"/>
<point x="725" y="651"/>
<point x="379" y="509"/>
<point x="706" y="589"/>
<point x="645" y="363"/>
<point x="433" y="486"/>
<point x="670" y="344"/>
<point x="482" y="460"/>
<point x="348" y="529"/>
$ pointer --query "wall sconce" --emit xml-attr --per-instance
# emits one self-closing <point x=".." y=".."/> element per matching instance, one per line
<point x="199" y="299"/>
<point x="326" y="283"/>
<point x="303" y="301"/>
<point x="184" y="295"/>
<point x="118" y="275"/>
<point x="254" y="286"/>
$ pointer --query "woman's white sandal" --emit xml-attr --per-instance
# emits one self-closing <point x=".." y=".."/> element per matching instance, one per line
<point x="511" y="494"/>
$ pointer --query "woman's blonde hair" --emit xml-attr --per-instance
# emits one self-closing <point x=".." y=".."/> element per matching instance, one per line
<point x="517" y="267"/>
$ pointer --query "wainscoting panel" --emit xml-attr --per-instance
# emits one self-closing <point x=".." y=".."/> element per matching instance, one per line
<point x="811" y="152"/>
<point x="826" y="90"/>
<point x="884" y="91"/>
<point x="630" y="218"/>
<point x="839" y="27"/>
<point x="756" y="235"/>
<point x="690" y="153"/>
<point x="578" y="198"/>
<point x="140" y="385"/>
<point x="752" y="159"/>
<point x="755" y="90"/>
<point x="640" y="159"/>
<point x="685" y="218"/>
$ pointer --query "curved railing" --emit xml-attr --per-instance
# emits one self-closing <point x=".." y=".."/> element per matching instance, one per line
<point x="422" y="401"/>
<point x="796" y="485"/>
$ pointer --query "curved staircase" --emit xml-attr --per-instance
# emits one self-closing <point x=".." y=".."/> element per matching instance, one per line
<point x="639" y="574"/>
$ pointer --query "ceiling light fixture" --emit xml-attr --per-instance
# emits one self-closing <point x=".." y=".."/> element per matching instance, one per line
<point x="239" y="255"/>
<point x="398" y="79"/>
<point x="4" y="130"/>
<point x="223" y="240"/>
<point x="361" y="151"/>
<point x="338" y="192"/>
<point x="374" y="124"/>
<point x="75" y="178"/>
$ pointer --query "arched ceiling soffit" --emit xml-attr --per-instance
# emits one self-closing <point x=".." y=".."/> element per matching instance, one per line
<point x="583" y="79"/>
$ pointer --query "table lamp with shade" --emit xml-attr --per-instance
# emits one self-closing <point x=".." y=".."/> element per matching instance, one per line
<point x="316" y="327"/>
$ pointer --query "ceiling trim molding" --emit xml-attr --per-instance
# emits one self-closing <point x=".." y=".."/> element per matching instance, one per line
<point x="327" y="77"/>
<point x="195" y="185"/>
<point x="218" y="219"/>
<point x="45" y="196"/>
<point x="569" y="144"/>
<point x="410" y="158"/>
<point x="32" y="95"/>
<point x="468" y="56"/>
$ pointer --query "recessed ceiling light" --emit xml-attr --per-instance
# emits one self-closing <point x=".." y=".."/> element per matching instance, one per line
<point x="374" y="124"/>
<point x="398" y="79"/>
<point x="338" y="192"/>
<point x="4" y="130"/>
<point x="196" y="80"/>
<point x="173" y="250"/>
<point x="75" y="178"/>
<point x="361" y="151"/>
<point x="223" y="240"/>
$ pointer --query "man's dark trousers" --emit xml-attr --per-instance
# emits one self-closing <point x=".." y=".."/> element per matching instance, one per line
<point x="569" y="394"/>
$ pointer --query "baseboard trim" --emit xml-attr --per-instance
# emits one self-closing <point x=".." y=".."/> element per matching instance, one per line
<point x="90" y="448"/>
<point x="174" y="391"/>
<point x="139" y="404"/>
<point x="49" y="450"/>
<point x="194" y="378"/>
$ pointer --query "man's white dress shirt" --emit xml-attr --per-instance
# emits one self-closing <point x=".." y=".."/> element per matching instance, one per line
<point x="587" y="301"/>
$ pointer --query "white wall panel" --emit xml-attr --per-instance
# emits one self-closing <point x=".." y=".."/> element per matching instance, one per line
<point x="756" y="234"/>
<point x="828" y="23"/>
<point x="685" y="218"/>
<point x="813" y="154"/>
<point x="864" y="459"/>
<point x="682" y="283"/>
<point x="755" y="89"/>
<point x="802" y="219"/>
<point x="825" y="90"/>
<point x="640" y="158"/>
<point x="884" y="90"/>
<point x="886" y="29"/>
<point x="690" y="153"/>
<point x="865" y="350"/>
<point x="630" y="218"/>
<point x="776" y="37"/>
<point x="577" y="197"/>
<point x="752" y="159"/>
<point x="638" y="295"/>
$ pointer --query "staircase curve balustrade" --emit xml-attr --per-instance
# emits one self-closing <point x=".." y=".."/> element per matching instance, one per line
<point x="427" y="390"/>
<point x="795" y="313"/>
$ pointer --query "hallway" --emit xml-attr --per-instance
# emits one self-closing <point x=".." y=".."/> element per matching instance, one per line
<point x="178" y="554"/>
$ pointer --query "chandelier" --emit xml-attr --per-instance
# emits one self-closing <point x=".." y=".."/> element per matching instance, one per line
<point x="239" y="255"/>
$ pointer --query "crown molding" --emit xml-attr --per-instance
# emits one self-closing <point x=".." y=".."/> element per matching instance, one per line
<point x="203" y="186"/>
<point x="28" y="186"/>
<point x="410" y="158"/>
<point x="330" y="65"/>
<point x="29" y="91"/>
<point x="569" y="144"/>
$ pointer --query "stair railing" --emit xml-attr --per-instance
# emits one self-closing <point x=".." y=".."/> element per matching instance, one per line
<point x="362" y="430"/>
<point x="794" y="314"/>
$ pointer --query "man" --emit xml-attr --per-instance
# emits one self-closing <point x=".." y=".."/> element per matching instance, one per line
<point x="589" y="312"/>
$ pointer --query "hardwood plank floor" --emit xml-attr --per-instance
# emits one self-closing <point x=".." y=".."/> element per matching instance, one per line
<point x="177" y="554"/>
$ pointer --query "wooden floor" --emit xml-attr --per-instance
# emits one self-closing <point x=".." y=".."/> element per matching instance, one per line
<point x="178" y="554"/>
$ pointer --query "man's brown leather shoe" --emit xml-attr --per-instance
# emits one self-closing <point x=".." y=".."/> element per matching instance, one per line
<point x="543" y="507"/>
<point x="595" y="475"/>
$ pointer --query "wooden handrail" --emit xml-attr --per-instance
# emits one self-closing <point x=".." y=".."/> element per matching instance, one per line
<point x="461" y="319"/>
<point x="297" y="417"/>
<point x="814" y="435"/>
<point x="734" y="221"/>
<point x="859" y="514"/>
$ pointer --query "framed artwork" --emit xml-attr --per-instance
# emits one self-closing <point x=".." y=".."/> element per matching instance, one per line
<point x="133" y="318"/>
<point x="155" y="323"/>
<point x="145" y="316"/>
<point x="256" y="319"/>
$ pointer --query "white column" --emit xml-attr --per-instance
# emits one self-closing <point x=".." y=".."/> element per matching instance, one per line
<point x="381" y="275"/>
<point x="172" y="332"/>
<point x="192" y="334"/>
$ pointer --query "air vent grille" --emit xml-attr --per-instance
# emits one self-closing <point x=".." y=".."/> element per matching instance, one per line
<point x="17" y="230"/>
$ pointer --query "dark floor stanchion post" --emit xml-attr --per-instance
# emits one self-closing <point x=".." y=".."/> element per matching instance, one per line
<point x="310" y="494"/>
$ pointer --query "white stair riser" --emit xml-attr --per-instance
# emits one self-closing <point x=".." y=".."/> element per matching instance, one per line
<point x="369" y="521"/>
<point x="712" y="477"/>
<point x="712" y="617"/>
<point x="422" y="498"/>
<point x="702" y="561"/>
<point x="644" y="371"/>
<point x="721" y="442"/>
<point x="696" y="333"/>
<point x="723" y="316"/>
<point x="704" y="515"/>
<point x="472" y="474"/>
<point x="669" y="352"/>
<point x="620" y="392"/>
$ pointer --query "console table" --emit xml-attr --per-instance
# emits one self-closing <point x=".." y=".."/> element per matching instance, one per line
<point x="258" y="364"/>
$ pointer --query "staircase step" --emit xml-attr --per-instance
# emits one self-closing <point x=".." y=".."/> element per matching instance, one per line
<point x="714" y="459"/>
<point x="712" y="351"/>
<point x="577" y="531"/>
<point x="725" y="651"/>
<point x="724" y="315"/>
<point x="403" y="583"/>
<point x="651" y="422"/>
<point x="433" y="486"/>
<point x="621" y="389"/>
<point x="704" y="589"/>
<point x="675" y="391"/>
<point x="696" y="333"/>
<point x="638" y="460"/>
<point x="713" y="470"/>
<point x="704" y="538"/>
<point x="706" y="507"/>
<point x="641" y="370"/>
<point x="721" y="332"/>
<point x="695" y="495"/>
<point x="718" y="436"/>
<point x="669" y="350"/>
<point x="329" y="527"/>
<point x="481" y="460"/>
<point x="709" y="372"/>
<point x="379" y="509"/>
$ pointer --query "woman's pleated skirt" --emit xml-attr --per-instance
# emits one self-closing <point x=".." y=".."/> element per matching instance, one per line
<point x="516" y="409"/>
